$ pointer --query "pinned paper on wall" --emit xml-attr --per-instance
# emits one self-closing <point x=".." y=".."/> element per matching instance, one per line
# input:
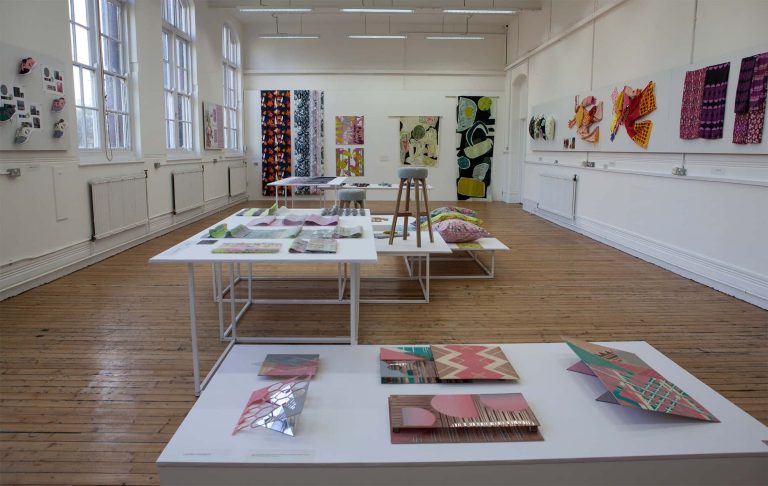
<point x="309" y="136"/>
<point x="350" y="162"/>
<point x="419" y="140"/>
<point x="350" y="130"/>
<point x="475" y="130"/>
<point x="213" y="126"/>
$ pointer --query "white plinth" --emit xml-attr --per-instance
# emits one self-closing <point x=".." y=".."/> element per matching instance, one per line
<point x="343" y="433"/>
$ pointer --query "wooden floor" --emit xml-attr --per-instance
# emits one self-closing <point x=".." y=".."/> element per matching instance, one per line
<point x="95" y="367"/>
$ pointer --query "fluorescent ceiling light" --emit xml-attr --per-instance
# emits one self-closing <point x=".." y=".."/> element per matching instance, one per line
<point x="275" y="9"/>
<point x="377" y="36"/>
<point x="378" y="10"/>
<point x="484" y="11"/>
<point x="455" y="37"/>
<point x="288" y="36"/>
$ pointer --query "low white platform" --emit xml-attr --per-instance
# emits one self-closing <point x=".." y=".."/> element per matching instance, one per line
<point x="343" y="432"/>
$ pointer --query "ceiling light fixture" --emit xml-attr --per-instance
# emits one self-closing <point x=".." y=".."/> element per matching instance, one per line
<point x="455" y="37"/>
<point x="484" y="11"/>
<point x="372" y="10"/>
<point x="377" y="36"/>
<point x="275" y="9"/>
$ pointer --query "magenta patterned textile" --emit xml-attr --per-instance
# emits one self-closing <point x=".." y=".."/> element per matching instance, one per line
<point x="458" y="231"/>
<point x="749" y="122"/>
<point x="693" y="91"/>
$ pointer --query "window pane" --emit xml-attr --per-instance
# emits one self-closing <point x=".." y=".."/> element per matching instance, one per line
<point x="170" y="134"/>
<point x="90" y="97"/>
<point x="168" y="11"/>
<point x="80" y="128"/>
<point x="80" y="11"/>
<point x="76" y="84"/>
<point x="165" y="46"/>
<point x="115" y="58"/>
<point x="113" y="19"/>
<point x="92" y="138"/>
<point x="109" y="96"/>
<point x="83" y="54"/>
<point x="121" y="95"/>
<point x="170" y="111"/>
<point x="112" y="130"/>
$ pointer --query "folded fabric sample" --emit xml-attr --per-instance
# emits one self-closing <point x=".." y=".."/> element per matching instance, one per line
<point x="453" y="209"/>
<point x="318" y="220"/>
<point x="313" y="246"/>
<point x="262" y="221"/>
<point x="452" y="215"/>
<point x="279" y="365"/>
<point x="317" y="234"/>
<point x="248" y="248"/>
<point x="293" y="220"/>
<point x="458" y="231"/>
<point x="286" y="232"/>
<point x="252" y="211"/>
<point x="349" y="232"/>
<point x="430" y="419"/>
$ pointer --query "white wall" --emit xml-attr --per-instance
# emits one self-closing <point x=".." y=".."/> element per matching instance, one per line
<point x="380" y="79"/>
<point x="35" y="244"/>
<point x="711" y="225"/>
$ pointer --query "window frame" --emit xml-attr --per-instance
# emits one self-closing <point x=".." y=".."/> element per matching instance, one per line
<point x="231" y="64"/>
<point x="99" y="72"/>
<point x="183" y="116"/>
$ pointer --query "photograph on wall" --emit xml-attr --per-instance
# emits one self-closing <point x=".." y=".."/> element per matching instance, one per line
<point x="475" y="129"/>
<point x="6" y="91"/>
<point x="350" y="162"/>
<point x="213" y="126"/>
<point x="49" y="81"/>
<point x="275" y="138"/>
<point x="34" y="116"/>
<point x="350" y="130"/>
<point x="20" y="100"/>
<point x="309" y="136"/>
<point x="419" y="140"/>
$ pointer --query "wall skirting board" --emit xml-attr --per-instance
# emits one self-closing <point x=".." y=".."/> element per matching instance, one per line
<point x="727" y="279"/>
<point x="22" y="276"/>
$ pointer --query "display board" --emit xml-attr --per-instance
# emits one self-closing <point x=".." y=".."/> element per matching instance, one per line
<point x="33" y="95"/>
<point x="665" y="136"/>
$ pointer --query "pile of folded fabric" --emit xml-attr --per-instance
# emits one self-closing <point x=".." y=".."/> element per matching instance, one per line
<point x="455" y="224"/>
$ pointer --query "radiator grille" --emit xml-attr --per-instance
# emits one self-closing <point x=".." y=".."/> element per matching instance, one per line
<point x="557" y="195"/>
<point x="118" y="204"/>
<point x="188" y="192"/>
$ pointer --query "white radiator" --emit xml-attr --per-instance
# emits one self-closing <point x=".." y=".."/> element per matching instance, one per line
<point x="118" y="204"/>
<point x="236" y="180"/>
<point x="188" y="192"/>
<point x="557" y="195"/>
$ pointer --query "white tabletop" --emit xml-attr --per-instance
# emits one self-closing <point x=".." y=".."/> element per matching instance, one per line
<point x="352" y="250"/>
<point x="371" y="187"/>
<point x="346" y="421"/>
<point x="303" y="181"/>
<point x="408" y="247"/>
<point x="488" y="244"/>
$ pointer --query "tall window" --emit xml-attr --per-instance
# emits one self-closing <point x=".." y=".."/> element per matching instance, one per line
<point x="177" y="74"/>
<point x="231" y="55"/>
<point x="100" y="73"/>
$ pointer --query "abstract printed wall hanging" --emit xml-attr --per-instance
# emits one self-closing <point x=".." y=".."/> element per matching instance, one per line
<point x="628" y="106"/>
<point x="350" y="130"/>
<point x="631" y="382"/>
<point x="430" y="419"/>
<point x="350" y="162"/>
<point x="275" y="138"/>
<point x="475" y="126"/>
<point x="419" y="140"/>
<point x="309" y="138"/>
<point x="213" y="126"/>
<point x="587" y="113"/>
<point x="750" y="100"/>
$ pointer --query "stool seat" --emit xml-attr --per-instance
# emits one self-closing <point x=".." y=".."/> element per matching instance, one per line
<point x="352" y="195"/>
<point x="412" y="173"/>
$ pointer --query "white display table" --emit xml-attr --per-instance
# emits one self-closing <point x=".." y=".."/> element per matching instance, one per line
<point x="343" y="433"/>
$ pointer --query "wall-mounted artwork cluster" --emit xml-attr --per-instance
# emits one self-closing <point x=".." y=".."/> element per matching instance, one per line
<point x="32" y="102"/>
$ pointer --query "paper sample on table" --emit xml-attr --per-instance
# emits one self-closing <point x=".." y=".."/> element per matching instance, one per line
<point x="631" y="382"/>
<point x="349" y="231"/>
<point x="428" y="419"/>
<point x="248" y="248"/>
<point x="317" y="233"/>
<point x="313" y="246"/>
<point x="290" y="365"/>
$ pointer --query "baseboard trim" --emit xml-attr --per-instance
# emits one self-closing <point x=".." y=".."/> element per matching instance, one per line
<point x="733" y="281"/>
<point x="80" y="255"/>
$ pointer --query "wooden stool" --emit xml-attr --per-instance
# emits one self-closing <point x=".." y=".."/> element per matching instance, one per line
<point x="416" y="176"/>
<point x="356" y="196"/>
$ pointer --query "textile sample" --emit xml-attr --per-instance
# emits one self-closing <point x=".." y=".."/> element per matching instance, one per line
<point x="628" y="106"/>
<point x="275" y="138"/>
<point x="350" y="161"/>
<point x="690" y="111"/>
<point x="750" y="100"/>
<point x="350" y="130"/>
<point x="419" y="140"/>
<point x="713" y="101"/>
<point x="586" y="113"/>
<point x="309" y="133"/>
<point x="475" y="127"/>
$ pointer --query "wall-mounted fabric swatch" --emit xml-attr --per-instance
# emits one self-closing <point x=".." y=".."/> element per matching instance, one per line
<point x="690" y="111"/>
<point x="275" y="138"/>
<point x="475" y="129"/>
<point x="713" y="101"/>
<point x="750" y="100"/>
<point x="309" y="134"/>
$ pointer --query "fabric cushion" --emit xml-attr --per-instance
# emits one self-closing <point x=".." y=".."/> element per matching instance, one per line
<point x="453" y="209"/>
<point x="458" y="231"/>
<point x="415" y="172"/>
<point x="451" y="215"/>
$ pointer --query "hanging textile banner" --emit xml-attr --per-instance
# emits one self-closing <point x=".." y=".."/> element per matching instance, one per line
<point x="308" y="129"/>
<point x="475" y="128"/>
<point x="275" y="138"/>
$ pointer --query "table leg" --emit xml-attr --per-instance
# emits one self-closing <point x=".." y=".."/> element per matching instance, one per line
<point x="232" y="312"/>
<point x="219" y="285"/>
<point x="427" y="298"/>
<point x="193" y="327"/>
<point x="354" y="303"/>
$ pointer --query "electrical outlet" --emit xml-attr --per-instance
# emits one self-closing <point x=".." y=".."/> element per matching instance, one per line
<point x="13" y="173"/>
<point x="718" y="171"/>
<point x="611" y="164"/>
<point x="157" y="165"/>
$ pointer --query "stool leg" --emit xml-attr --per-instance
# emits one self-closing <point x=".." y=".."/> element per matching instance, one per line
<point x="397" y="212"/>
<point x="426" y="208"/>
<point x="418" y="212"/>
<point x="407" y="207"/>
